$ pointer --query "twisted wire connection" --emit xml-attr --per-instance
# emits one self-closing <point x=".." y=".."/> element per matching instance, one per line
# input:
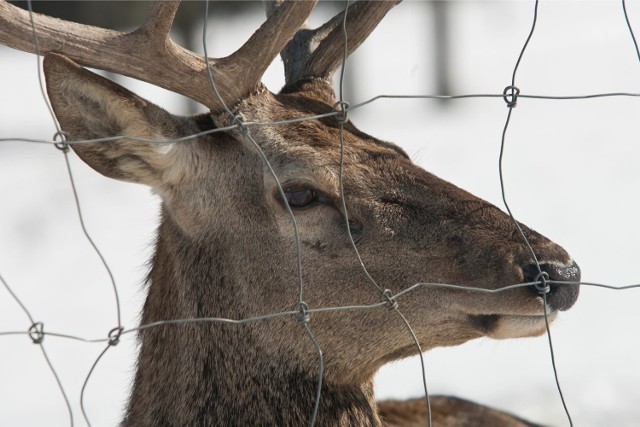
<point x="301" y="312"/>
<point x="36" y="333"/>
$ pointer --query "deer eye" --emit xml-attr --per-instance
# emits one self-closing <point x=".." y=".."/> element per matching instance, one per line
<point x="301" y="198"/>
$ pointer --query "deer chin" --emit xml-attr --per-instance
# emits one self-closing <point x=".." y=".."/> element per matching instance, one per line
<point x="509" y="326"/>
<point x="505" y="326"/>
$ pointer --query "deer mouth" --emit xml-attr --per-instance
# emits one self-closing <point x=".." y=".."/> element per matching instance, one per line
<point x="504" y="326"/>
<point x="560" y="295"/>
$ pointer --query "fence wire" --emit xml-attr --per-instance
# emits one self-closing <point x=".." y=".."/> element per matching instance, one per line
<point x="301" y="311"/>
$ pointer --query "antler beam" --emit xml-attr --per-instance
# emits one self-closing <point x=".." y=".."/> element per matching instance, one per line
<point x="149" y="54"/>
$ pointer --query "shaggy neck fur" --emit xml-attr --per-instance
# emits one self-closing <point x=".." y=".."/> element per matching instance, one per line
<point x="206" y="374"/>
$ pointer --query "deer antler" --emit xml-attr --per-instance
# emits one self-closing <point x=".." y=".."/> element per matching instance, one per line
<point x="319" y="52"/>
<point x="149" y="54"/>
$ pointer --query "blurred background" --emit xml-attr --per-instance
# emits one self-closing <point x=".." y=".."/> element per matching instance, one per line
<point x="572" y="172"/>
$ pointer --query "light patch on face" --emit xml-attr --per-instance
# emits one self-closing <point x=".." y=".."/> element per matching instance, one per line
<point x="509" y="326"/>
<point x="179" y="162"/>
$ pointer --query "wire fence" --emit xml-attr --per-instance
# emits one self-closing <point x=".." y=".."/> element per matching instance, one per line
<point x="301" y="311"/>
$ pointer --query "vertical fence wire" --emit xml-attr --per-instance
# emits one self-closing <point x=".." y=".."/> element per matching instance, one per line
<point x="64" y="148"/>
<point x="511" y="97"/>
<point x="630" y="28"/>
<point x="386" y="294"/>
<point x="300" y="306"/>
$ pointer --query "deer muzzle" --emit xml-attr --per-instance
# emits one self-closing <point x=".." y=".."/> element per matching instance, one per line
<point x="559" y="296"/>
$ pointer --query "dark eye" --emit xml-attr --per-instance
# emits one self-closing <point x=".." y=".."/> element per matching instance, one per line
<point x="301" y="198"/>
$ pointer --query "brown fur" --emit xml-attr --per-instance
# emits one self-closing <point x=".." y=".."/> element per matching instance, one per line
<point x="225" y="248"/>
<point x="446" y="411"/>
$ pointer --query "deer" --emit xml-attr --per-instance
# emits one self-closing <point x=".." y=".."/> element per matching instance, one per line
<point x="224" y="247"/>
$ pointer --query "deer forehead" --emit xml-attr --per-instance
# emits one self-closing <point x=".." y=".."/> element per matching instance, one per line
<point x="313" y="147"/>
<point x="316" y="158"/>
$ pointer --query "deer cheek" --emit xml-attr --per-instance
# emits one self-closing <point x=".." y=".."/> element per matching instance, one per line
<point x="189" y="210"/>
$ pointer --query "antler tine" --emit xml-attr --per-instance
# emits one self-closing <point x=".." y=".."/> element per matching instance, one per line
<point x="253" y="58"/>
<point x="148" y="53"/>
<point x="160" y="19"/>
<point x="317" y="53"/>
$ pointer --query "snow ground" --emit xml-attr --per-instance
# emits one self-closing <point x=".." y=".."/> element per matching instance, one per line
<point x="572" y="172"/>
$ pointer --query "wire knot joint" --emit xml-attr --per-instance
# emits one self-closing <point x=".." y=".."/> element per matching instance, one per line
<point x="60" y="138"/>
<point x="510" y="95"/>
<point x="302" y="312"/>
<point x="36" y="332"/>
<point x="114" y="335"/>
<point x="390" y="302"/>
<point x="342" y="108"/>
<point x="238" y="121"/>
<point x="541" y="283"/>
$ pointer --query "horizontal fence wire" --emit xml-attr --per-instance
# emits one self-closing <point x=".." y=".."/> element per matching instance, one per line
<point x="301" y="311"/>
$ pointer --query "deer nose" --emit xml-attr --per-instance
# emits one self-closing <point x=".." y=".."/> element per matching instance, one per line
<point x="560" y="296"/>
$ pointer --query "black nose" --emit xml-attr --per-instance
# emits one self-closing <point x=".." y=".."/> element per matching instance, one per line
<point x="560" y="296"/>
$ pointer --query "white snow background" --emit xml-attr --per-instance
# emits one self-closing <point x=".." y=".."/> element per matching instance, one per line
<point x="572" y="171"/>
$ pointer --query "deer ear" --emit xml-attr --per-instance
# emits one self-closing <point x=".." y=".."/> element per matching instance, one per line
<point x="89" y="106"/>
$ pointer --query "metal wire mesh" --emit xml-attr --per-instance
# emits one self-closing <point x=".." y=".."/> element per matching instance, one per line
<point x="37" y="332"/>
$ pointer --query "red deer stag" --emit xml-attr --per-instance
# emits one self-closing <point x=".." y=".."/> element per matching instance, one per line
<point x="225" y="244"/>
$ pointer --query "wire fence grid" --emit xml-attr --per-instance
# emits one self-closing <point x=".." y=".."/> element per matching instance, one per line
<point x="301" y="311"/>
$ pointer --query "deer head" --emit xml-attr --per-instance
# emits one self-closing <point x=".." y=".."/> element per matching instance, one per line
<point x="226" y="245"/>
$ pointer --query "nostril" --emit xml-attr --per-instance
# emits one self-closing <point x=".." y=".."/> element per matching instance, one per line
<point x="559" y="296"/>
<point x="532" y="271"/>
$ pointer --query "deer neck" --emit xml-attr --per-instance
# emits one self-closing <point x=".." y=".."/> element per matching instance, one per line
<point x="222" y="374"/>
